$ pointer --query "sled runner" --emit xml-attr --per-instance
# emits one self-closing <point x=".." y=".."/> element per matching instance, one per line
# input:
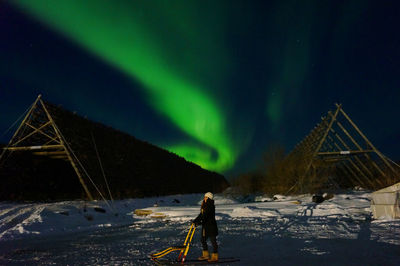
<point x="183" y="249"/>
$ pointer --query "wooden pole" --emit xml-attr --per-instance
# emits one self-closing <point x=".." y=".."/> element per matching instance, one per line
<point x="68" y="152"/>
<point x="321" y="141"/>
<point x="348" y="148"/>
<point x="339" y="148"/>
<point x="43" y="133"/>
<point x="369" y="143"/>
<point x="360" y="182"/>
<point x="360" y="148"/>
<point x="40" y="147"/>
<point x="32" y="133"/>
<point x="344" y="152"/>
<point x="20" y="126"/>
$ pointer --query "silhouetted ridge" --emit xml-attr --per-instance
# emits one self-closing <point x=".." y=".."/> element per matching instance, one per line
<point x="133" y="168"/>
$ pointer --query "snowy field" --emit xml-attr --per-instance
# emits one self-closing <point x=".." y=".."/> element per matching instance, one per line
<point x="258" y="230"/>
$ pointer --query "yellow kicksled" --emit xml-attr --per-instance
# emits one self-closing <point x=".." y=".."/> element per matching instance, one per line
<point x="183" y="249"/>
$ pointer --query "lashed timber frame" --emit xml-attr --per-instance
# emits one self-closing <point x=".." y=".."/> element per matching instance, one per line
<point x="39" y="134"/>
<point x="337" y="145"/>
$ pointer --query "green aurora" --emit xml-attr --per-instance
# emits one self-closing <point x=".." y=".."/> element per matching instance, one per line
<point x="217" y="82"/>
<point x="116" y="33"/>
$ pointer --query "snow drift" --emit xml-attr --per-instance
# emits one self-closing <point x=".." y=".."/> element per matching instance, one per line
<point x="284" y="231"/>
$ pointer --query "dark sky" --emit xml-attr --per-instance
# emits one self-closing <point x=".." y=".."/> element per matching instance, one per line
<point x="217" y="82"/>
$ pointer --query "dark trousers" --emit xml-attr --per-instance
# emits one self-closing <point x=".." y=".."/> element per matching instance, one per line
<point x="213" y="240"/>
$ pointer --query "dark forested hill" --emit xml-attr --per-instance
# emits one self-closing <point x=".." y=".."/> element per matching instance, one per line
<point x="133" y="168"/>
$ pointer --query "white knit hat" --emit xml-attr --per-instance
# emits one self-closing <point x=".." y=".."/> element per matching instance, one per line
<point x="209" y="195"/>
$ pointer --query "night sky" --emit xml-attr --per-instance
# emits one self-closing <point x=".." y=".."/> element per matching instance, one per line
<point x="217" y="82"/>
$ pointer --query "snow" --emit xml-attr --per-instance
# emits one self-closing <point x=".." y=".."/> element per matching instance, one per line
<point x="258" y="229"/>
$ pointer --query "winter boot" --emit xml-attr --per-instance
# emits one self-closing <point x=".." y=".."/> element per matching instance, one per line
<point x="214" y="257"/>
<point x="205" y="256"/>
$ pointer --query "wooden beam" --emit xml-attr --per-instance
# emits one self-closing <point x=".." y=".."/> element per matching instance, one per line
<point x="49" y="153"/>
<point x="359" y="147"/>
<point x="348" y="158"/>
<point x="341" y="162"/>
<point x="348" y="168"/>
<point x="27" y="148"/>
<point x="32" y="133"/>
<point x="64" y="157"/>
<point x="20" y="126"/>
<point x="53" y="124"/>
<point x="344" y="152"/>
<point x="366" y="139"/>
<point x="322" y="139"/>
<point x="43" y="133"/>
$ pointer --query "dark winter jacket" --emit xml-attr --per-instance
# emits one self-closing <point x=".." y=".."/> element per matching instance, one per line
<point x="207" y="219"/>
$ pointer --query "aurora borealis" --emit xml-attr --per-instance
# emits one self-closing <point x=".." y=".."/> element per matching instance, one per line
<point x="132" y="48"/>
<point x="216" y="82"/>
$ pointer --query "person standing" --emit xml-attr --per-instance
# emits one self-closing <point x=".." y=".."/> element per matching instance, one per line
<point x="209" y="230"/>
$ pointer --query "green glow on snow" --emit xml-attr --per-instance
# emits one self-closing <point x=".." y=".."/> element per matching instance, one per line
<point x="114" y="31"/>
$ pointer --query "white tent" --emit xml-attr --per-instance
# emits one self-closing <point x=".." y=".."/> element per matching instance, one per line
<point x="386" y="202"/>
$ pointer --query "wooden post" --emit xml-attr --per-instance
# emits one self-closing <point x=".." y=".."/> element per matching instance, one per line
<point x="360" y="182"/>
<point x="42" y="132"/>
<point x="67" y="152"/>
<point x="321" y="141"/>
<point x="369" y="143"/>
<point x="348" y="148"/>
<point x="339" y="148"/>
<point x="360" y="148"/>
<point x="351" y="161"/>
<point x="32" y="133"/>
<point x="20" y="126"/>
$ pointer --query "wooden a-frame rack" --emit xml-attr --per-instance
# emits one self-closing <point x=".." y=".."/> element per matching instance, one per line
<point x="39" y="134"/>
<point x="337" y="140"/>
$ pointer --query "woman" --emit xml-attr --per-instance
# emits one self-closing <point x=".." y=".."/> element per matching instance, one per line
<point x="209" y="227"/>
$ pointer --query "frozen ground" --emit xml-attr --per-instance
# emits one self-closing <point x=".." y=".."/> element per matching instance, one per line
<point x="284" y="231"/>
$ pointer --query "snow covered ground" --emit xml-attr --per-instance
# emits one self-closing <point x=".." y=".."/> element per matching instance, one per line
<point x="258" y="230"/>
